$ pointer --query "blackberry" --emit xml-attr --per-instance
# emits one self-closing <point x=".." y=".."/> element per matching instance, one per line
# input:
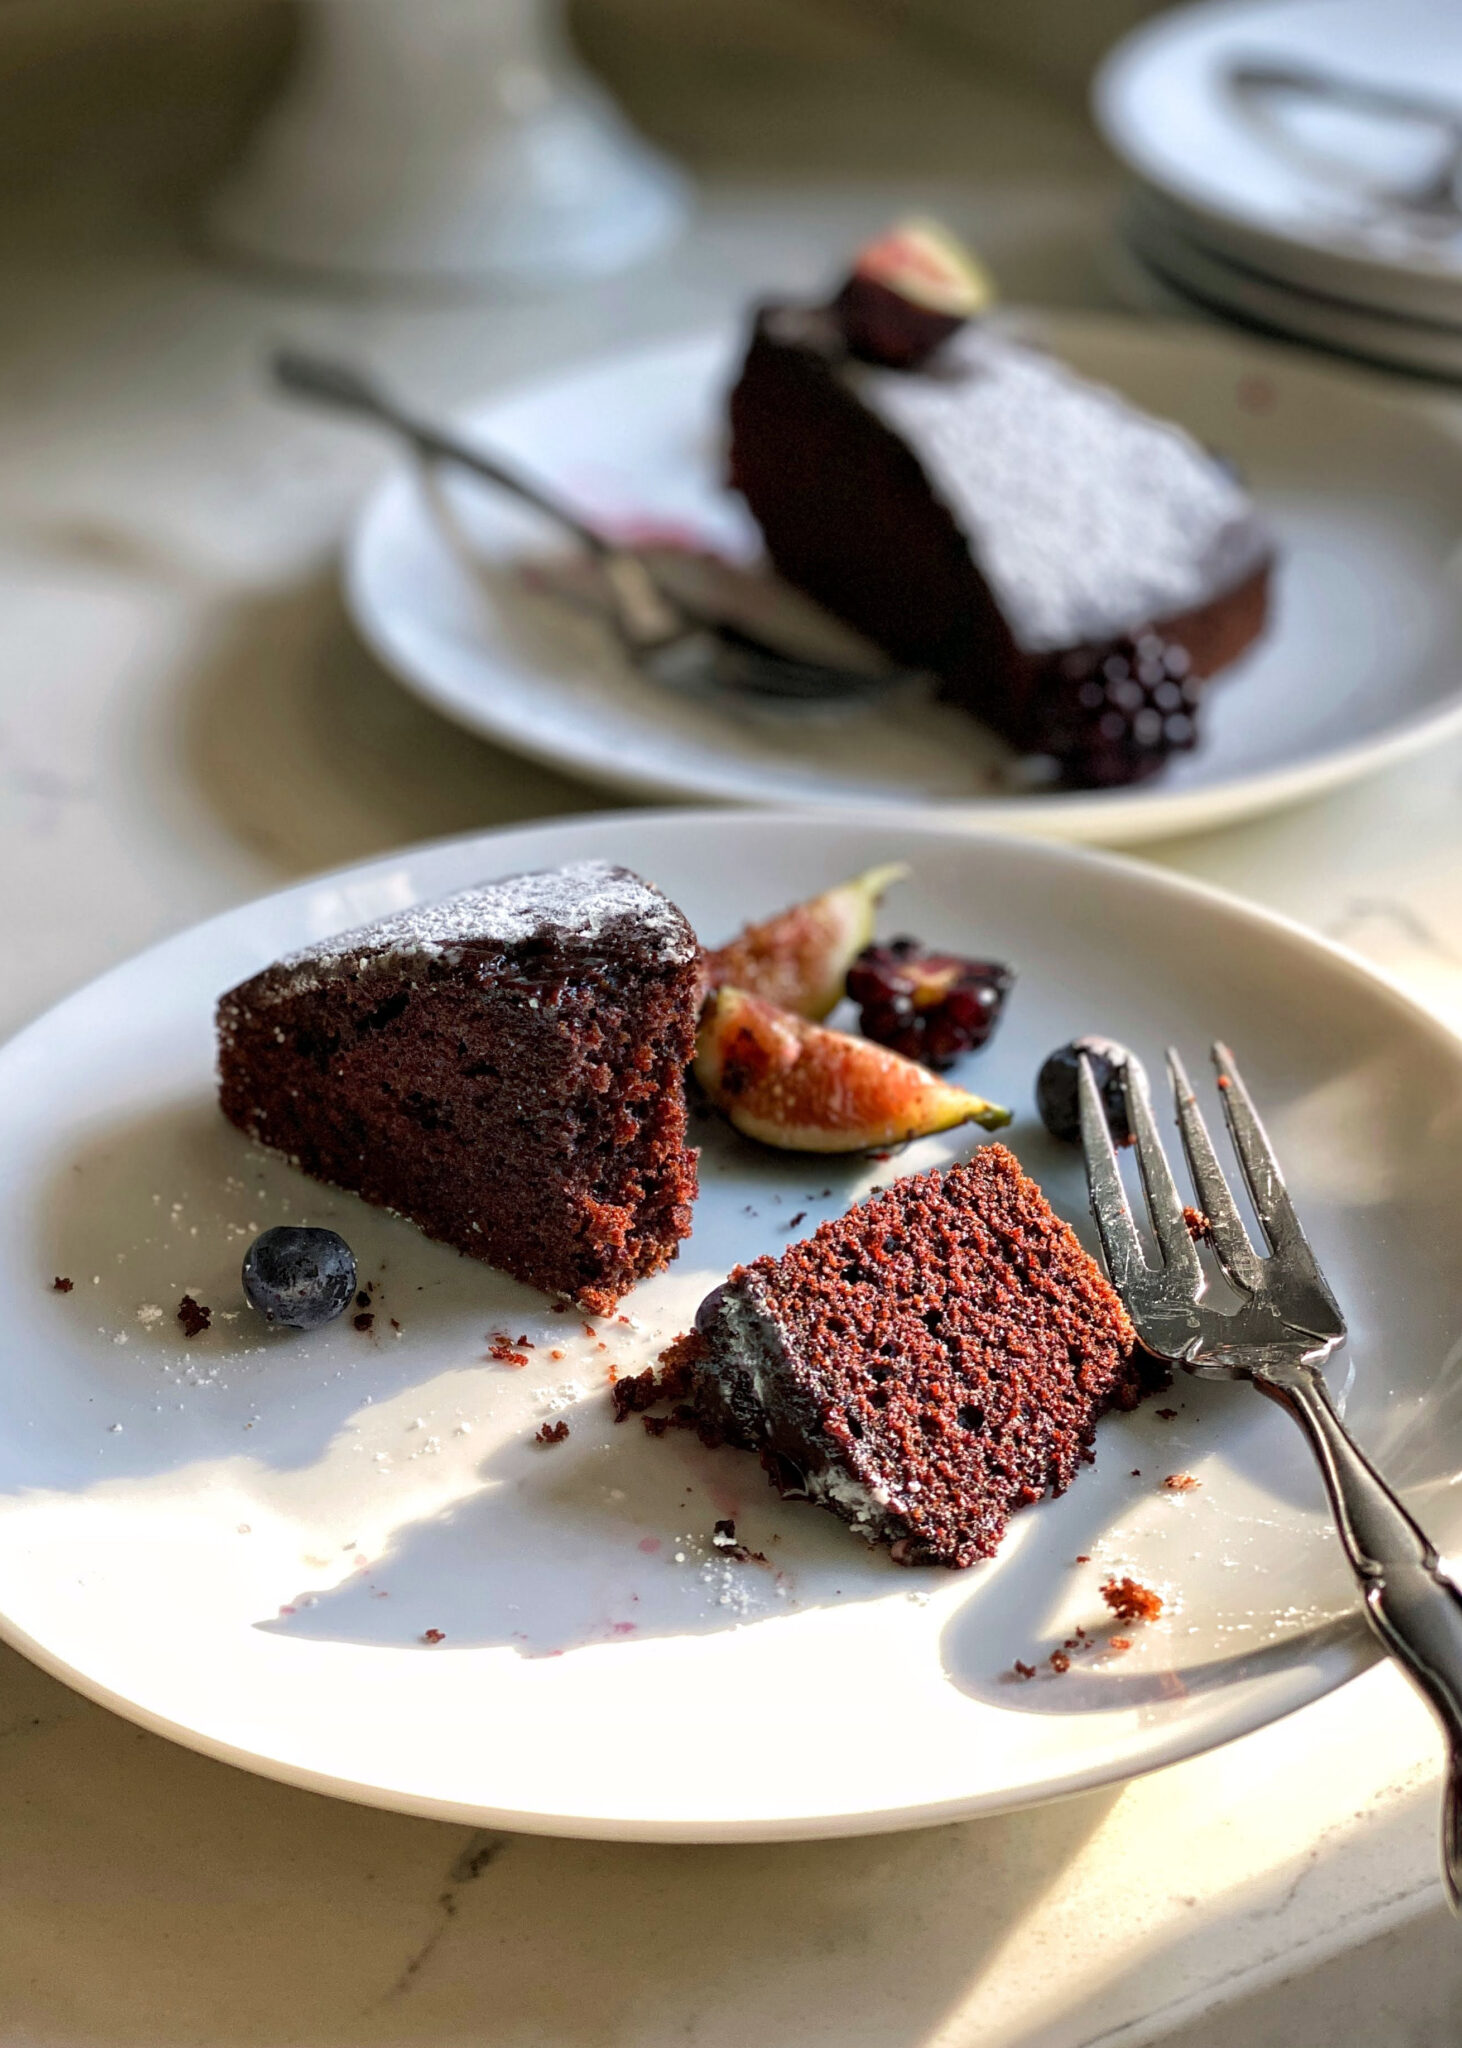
<point x="1114" y="714"/>
<point x="1057" y="1089"/>
<point x="930" y="1007"/>
<point x="300" y="1278"/>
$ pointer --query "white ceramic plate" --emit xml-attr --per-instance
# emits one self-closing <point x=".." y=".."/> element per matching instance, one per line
<point x="243" y="1540"/>
<point x="1358" y="667"/>
<point x="1295" y="196"/>
<point x="1159" y="240"/>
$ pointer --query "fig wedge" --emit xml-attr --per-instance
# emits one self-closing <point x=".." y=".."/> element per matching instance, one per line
<point x="800" y="958"/>
<point x="802" y="1088"/>
<point x="909" y="291"/>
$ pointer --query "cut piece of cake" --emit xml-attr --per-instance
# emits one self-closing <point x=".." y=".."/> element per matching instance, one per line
<point x="923" y="1366"/>
<point x="503" y="1067"/>
<point x="1068" y="566"/>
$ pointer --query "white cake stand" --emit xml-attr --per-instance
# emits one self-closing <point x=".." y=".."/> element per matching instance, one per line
<point x="444" y="141"/>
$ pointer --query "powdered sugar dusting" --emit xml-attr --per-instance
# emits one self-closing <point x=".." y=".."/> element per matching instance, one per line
<point x="1087" y="517"/>
<point x="576" y="904"/>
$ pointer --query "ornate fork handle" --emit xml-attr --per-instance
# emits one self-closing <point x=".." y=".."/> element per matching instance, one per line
<point x="1413" y="1608"/>
<point x="1288" y="1322"/>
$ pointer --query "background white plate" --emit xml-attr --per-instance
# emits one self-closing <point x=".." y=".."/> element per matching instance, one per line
<point x="1358" y="667"/>
<point x="1165" y="103"/>
<point x="1159" y="239"/>
<point x="242" y="1540"/>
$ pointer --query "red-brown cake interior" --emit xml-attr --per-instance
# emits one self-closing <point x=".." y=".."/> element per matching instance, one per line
<point x="924" y="1365"/>
<point x="513" y="1086"/>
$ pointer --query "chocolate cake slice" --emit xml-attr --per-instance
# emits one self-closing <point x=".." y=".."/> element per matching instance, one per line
<point x="1069" y="567"/>
<point x="503" y="1067"/>
<point x="923" y="1366"/>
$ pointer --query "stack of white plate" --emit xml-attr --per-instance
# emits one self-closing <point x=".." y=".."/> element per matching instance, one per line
<point x="1299" y="167"/>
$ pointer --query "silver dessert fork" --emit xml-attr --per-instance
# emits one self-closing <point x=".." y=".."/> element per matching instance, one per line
<point x="1284" y="1327"/>
<point x="693" y="623"/>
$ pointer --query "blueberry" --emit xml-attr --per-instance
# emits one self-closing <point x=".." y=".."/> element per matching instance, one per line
<point x="1057" y="1096"/>
<point x="300" y="1278"/>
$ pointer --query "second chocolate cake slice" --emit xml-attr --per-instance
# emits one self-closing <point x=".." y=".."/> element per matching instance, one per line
<point x="1069" y="566"/>
<point x="922" y="1366"/>
<point x="503" y="1067"/>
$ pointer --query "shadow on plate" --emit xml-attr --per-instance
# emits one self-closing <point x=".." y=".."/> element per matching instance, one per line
<point x="166" y="1203"/>
<point x="610" y="1536"/>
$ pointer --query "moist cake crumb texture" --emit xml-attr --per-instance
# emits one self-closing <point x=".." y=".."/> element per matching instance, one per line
<point x="503" y="1068"/>
<point x="923" y="1366"/>
<point x="1131" y="1601"/>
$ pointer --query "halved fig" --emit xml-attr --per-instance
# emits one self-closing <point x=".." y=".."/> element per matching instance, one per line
<point x="909" y="291"/>
<point x="800" y="958"/>
<point x="803" y="1088"/>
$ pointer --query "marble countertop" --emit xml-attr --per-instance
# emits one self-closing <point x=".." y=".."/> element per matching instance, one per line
<point x="185" y="721"/>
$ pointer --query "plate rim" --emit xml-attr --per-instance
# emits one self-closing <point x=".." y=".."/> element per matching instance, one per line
<point x="1179" y="1743"/>
<point x="1124" y="816"/>
<point x="1208" y="278"/>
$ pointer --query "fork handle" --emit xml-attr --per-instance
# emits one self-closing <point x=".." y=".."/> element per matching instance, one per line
<point x="1410" y="1604"/>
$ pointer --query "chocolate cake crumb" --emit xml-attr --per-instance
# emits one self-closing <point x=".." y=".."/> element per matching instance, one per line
<point x="1119" y="1643"/>
<point x="1024" y="1670"/>
<point x="725" y="1541"/>
<point x="61" y="1285"/>
<point x="648" y="1389"/>
<point x="362" y="1300"/>
<point x="793" y="1221"/>
<point x="502" y="1351"/>
<point x="1181" y="1482"/>
<point x="1199" y="1227"/>
<point x="1167" y="1414"/>
<point x="433" y="1635"/>
<point x="193" y="1316"/>
<point x="1083" y="1558"/>
<point x="1060" y="1662"/>
<point x="1130" y="1601"/>
<point x="630" y="1396"/>
<point x="365" y="1321"/>
<point x="552" y="1433"/>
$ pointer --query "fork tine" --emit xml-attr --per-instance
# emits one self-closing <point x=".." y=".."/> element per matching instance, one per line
<point x="1270" y="1197"/>
<point x="1164" y="1203"/>
<point x="1121" y="1246"/>
<point x="1262" y="1173"/>
<point x="1230" y="1239"/>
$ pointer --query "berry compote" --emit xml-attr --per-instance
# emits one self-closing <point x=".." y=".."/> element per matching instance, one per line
<point x="930" y="1007"/>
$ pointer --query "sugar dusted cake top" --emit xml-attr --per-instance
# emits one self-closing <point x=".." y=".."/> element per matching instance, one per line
<point x="583" y="908"/>
<point x="1085" y="513"/>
